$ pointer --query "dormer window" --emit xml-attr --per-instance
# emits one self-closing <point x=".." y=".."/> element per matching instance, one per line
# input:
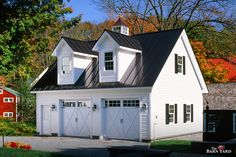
<point x="109" y="63"/>
<point x="65" y="65"/>
<point x="117" y="29"/>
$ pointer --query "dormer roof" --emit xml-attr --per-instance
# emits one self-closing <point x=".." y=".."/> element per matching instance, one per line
<point x="142" y="72"/>
<point x="122" y="40"/>
<point x="81" y="46"/>
<point x="120" y="22"/>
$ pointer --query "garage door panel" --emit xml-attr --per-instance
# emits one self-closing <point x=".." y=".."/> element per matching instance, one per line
<point x="114" y="128"/>
<point x="131" y="123"/>
<point x="122" y="121"/>
<point x="77" y="118"/>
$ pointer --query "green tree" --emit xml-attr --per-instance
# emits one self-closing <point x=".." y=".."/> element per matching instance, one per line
<point x="28" y="30"/>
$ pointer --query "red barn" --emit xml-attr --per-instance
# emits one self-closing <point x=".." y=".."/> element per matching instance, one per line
<point x="8" y="102"/>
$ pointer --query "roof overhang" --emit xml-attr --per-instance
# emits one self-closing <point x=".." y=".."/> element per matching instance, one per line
<point x="129" y="49"/>
<point x="85" y="55"/>
<point x="193" y="61"/>
<point x="60" y="44"/>
<point x="103" y="36"/>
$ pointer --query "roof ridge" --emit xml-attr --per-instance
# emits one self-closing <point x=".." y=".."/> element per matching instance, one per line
<point x="157" y="32"/>
<point x="78" y="39"/>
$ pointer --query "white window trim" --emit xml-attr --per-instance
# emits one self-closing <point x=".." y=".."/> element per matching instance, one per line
<point x="7" y="114"/>
<point x="1" y="91"/>
<point x="4" y="99"/>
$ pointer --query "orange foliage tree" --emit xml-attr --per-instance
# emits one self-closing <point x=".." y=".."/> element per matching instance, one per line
<point x="211" y="73"/>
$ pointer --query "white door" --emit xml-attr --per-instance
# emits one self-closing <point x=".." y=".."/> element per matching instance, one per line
<point x="77" y="118"/>
<point x="46" y="120"/>
<point x="122" y="119"/>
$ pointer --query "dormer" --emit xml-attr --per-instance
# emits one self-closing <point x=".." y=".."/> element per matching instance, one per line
<point x="73" y="57"/>
<point x="120" y="27"/>
<point x="116" y="52"/>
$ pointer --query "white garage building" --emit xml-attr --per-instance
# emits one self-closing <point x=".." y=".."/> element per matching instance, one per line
<point x="139" y="87"/>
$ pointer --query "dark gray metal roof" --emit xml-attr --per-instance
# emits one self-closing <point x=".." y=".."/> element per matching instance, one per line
<point x="125" y="40"/>
<point x="142" y="72"/>
<point x="81" y="46"/>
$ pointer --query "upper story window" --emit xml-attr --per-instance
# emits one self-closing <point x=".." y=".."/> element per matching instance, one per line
<point x="117" y="29"/>
<point x="1" y="91"/>
<point x="109" y="63"/>
<point x="180" y="64"/>
<point x="171" y="113"/>
<point x="65" y="65"/>
<point x="8" y="99"/>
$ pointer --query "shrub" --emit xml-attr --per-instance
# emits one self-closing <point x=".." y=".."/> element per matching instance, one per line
<point x="9" y="128"/>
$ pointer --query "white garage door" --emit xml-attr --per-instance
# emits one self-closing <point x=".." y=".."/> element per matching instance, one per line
<point x="122" y="119"/>
<point x="77" y="118"/>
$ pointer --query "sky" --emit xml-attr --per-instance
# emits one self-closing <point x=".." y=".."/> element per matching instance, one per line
<point x="90" y="12"/>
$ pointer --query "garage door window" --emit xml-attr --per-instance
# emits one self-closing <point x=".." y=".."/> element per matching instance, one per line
<point x="112" y="103"/>
<point x="131" y="103"/>
<point x="82" y="104"/>
<point x="69" y="104"/>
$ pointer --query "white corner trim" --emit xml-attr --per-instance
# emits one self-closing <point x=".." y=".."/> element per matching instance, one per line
<point x="85" y="55"/>
<point x="193" y="61"/>
<point x="129" y="49"/>
<point x="39" y="77"/>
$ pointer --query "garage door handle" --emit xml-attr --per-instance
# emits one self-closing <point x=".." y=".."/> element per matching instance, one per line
<point x="121" y="120"/>
<point x="76" y="119"/>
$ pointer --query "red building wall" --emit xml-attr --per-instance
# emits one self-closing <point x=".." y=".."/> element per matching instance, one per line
<point x="7" y="106"/>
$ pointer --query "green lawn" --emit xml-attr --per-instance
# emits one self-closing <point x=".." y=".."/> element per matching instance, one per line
<point x="173" y="145"/>
<point x="27" y="153"/>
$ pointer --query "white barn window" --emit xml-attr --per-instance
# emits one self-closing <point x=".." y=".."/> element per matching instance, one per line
<point x="7" y="114"/>
<point x="1" y="91"/>
<point x="8" y="99"/>
<point x="109" y="63"/>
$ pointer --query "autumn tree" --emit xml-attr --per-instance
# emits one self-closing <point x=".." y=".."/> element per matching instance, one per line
<point x="169" y="14"/>
<point x="26" y="30"/>
<point x="211" y="73"/>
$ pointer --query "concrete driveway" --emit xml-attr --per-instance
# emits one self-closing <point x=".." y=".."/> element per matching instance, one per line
<point x="75" y="146"/>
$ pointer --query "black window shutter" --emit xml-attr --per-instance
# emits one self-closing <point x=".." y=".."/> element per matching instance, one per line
<point x="167" y="113"/>
<point x="184" y="68"/>
<point x="175" y="113"/>
<point x="185" y="113"/>
<point x="191" y="112"/>
<point x="176" y="63"/>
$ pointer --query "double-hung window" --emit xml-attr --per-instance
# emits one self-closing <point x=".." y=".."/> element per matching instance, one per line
<point x="180" y="64"/>
<point x="171" y="113"/>
<point x="109" y="62"/>
<point x="65" y="65"/>
<point x="7" y="114"/>
<point x="188" y="113"/>
<point x="8" y="99"/>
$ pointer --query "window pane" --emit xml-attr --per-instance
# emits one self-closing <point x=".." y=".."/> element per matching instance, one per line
<point x="131" y="103"/>
<point x="65" y="61"/>
<point x="108" y="56"/>
<point x="171" y="118"/>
